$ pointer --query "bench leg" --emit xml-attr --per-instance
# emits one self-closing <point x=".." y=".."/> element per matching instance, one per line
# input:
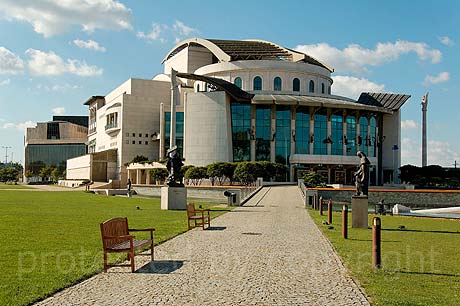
<point x="105" y="261"/>
<point x="131" y="254"/>
<point x="151" y="250"/>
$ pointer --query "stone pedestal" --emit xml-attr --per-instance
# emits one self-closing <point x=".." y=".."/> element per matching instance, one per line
<point x="359" y="206"/>
<point x="173" y="198"/>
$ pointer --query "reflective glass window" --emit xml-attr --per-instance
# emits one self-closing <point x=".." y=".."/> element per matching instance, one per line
<point x="241" y="128"/>
<point x="263" y="132"/>
<point x="296" y="84"/>
<point x="179" y="131"/>
<point x="277" y="84"/>
<point x="238" y="82"/>
<point x="38" y="156"/>
<point x="283" y="134"/>
<point x="319" y="144"/>
<point x="337" y="134"/>
<point x="373" y="135"/>
<point x="363" y="134"/>
<point x="311" y="87"/>
<point x="302" y="130"/>
<point x="351" y="135"/>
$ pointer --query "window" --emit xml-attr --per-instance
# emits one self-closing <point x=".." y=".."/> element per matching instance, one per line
<point x="363" y="134"/>
<point x="296" y="84"/>
<point x="140" y="142"/>
<point x="302" y="130"/>
<point x="52" y="130"/>
<point x="311" y="87"/>
<point x="134" y="142"/>
<point x="241" y="128"/>
<point x="323" y="90"/>
<point x="329" y="90"/>
<point x="127" y="134"/>
<point x="319" y="144"/>
<point x="127" y="141"/>
<point x="263" y="132"/>
<point x="146" y="143"/>
<point x="146" y="135"/>
<point x="111" y="121"/>
<point x="283" y="134"/>
<point x="373" y="134"/>
<point x="257" y="83"/>
<point x="134" y="134"/>
<point x="337" y="134"/>
<point x="179" y="131"/>
<point x="238" y="82"/>
<point x="140" y="135"/>
<point x="277" y="84"/>
<point x="351" y="135"/>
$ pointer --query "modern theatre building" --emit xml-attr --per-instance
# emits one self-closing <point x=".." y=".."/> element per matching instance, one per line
<point x="243" y="100"/>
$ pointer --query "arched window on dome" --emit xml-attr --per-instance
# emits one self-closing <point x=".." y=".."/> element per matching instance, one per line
<point x="323" y="89"/>
<point x="238" y="82"/>
<point x="329" y="90"/>
<point x="257" y="83"/>
<point x="197" y="87"/>
<point x="311" y="87"/>
<point x="296" y="84"/>
<point x="277" y="84"/>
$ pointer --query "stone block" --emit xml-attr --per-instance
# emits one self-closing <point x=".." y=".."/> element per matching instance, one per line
<point x="173" y="198"/>
<point x="359" y="211"/>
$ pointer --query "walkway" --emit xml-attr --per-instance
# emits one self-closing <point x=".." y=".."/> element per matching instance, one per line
<point x="268" y="252"/>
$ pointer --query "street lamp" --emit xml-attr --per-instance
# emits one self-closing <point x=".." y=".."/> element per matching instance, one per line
<point x="6" y="153"/>
<point x="394" y="149"/>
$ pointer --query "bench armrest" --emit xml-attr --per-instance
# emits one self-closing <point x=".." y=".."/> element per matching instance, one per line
<point x="202" y="210"/>
<point x="127" y="237"/>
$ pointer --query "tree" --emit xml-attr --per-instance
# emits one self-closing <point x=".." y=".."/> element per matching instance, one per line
<point x="216" y="171"/>
<point x="9" y="174"/>
<point x="28" y="174"/>
<point x="55" y="174"/>
<point x="244" y="172"/>
<point x="45" y="172"/>
<point x="313" y="179"/>
<point x="159" y="174"/>
<point x="196" y="175"/>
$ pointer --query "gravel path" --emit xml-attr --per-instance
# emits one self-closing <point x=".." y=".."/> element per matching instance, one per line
<point x="268" y="252"/>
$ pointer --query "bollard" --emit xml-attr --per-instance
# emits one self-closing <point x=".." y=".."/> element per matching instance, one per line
<point x="321" y="206"/>
<point x="329" y="211"/>
<point x="315" y="199"/>
<point x="376" y="250"/>
<point x="345" y="221"/>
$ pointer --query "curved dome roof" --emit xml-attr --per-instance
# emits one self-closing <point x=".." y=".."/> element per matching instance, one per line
<point x="236" y="50"/>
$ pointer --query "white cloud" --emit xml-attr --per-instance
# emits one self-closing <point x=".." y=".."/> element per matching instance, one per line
<point x="352" y="87"/>
<point x="58" y="111"/>
<point x="10" y="63"/>
<point x="446" y="41"/>
<point x="182" y="29"/>
<point x="355" y="58"/>
<point x="89" y="44"/>
<point x="43" y="63"/>
<point x="19" y="126"/>
<point x="435" y="79"/>
<point x="52" y="17"/>
<point x="56" y="87"/>
<point x="409" y="124"/>
<point x="154" y="34"/>
<point x="438" y="153"/>
<point x="4" y="82"/>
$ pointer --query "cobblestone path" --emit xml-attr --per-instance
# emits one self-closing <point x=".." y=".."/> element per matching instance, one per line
<point x="268" y="252"/>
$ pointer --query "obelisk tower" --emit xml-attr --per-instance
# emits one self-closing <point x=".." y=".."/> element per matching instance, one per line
<point x="424" y="109"/>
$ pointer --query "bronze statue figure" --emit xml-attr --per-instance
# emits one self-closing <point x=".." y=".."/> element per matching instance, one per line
<point x="362" y="175"/>
<point x="174" y="164"/>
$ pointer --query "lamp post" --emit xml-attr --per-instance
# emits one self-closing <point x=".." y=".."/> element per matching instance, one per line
<point x="6" y="153"/>
<point x="394" y="149"/>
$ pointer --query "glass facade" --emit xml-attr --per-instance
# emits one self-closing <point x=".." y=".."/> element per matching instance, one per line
<point x="277" y="84"/>
<point x="238" y="82"/>
<point x="337" y="134"/>
<point x="363" y="134"/>
<point x="257" y="83"/>
<point x="263" y="132"/>
<point x="351" y="135"/>
<point x="38" y="156"/>
<point x="179" y="131"/>
<point x="302" y="130"/>
<point x="241" y="127"/>
<point x="319" y="145"/>
<point x="373" y="137"/>
<point x="283" y="134"/>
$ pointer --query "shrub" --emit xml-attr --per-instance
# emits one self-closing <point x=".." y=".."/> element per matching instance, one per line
<point x="313" y="179"/>
<point x="196" y="174"/>
<point x="159" y="174"/>
<point x="139" y="159"/>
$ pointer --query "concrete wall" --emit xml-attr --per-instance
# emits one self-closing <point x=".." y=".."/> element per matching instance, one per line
<point x="207" y="128"/>
<point x="392" y="133"/>
<point x="78" y="168"/>
<point x="411" y="198"/>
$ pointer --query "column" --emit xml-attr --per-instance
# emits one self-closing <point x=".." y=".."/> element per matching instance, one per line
<point x="138" y="176"/>
<point x="147" y="176"/>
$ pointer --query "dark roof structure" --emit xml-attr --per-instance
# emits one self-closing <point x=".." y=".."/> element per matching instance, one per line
<point x="234" y="91"/>
<point x="79" y="120"/>
<point x="92" y="99"/>
<point x="387" y="100"/>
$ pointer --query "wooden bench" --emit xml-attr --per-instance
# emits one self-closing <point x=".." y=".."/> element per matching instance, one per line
<point x="199" y="217"/>
<point x="116" y="239"/>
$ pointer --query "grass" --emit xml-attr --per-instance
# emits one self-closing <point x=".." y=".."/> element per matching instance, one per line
<point x="12" y="186"/>
<point x="420" y="263"/>
<point x="51" y="240"/>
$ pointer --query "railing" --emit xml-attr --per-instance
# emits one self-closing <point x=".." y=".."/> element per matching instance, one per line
<point x="111" y="125"/>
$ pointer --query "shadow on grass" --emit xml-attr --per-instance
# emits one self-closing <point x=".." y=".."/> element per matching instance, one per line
<point x="417" y="231"/>
<point x="424" y="273"/>
<point x="161" y="267"/>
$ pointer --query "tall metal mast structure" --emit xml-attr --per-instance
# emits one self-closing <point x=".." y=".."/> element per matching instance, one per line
<point x="424" y="109"/>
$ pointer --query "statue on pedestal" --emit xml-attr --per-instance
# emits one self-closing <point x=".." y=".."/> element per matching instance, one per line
<point x="174" y="164"/>
<point x="362" y="175"/>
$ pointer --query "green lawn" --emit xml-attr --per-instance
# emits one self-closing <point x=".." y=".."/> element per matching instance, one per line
<point x="11" y="186"/>
<point x="421" y="264"/>
<point x="50" y="240"/>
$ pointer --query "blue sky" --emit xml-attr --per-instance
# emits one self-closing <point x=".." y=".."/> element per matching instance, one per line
<point x="56" y="54"/>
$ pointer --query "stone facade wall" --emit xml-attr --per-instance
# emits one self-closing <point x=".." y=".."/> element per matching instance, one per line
<point x="411" y="198"/>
